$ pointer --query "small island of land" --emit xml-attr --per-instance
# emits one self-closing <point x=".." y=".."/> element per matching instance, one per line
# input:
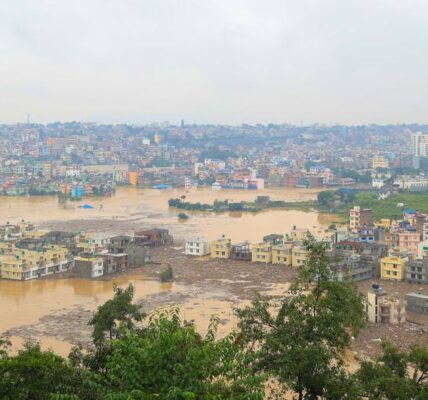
<point x="259" y="204"/>
<point x="337" y="202"/>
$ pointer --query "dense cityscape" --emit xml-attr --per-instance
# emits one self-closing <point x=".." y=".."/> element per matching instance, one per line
<point x="213" y="200"/>
<point x="85" y="158"/>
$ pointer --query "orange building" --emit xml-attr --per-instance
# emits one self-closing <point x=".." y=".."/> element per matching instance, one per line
<point x="133" y="178"/>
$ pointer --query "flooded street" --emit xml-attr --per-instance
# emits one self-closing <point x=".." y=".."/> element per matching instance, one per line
<point x="56" y="311"/>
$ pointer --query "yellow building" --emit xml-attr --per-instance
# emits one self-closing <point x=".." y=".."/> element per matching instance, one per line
<point x="261" y="252"/>
<point x="380" y="161"/>
<point x="282" y="254"/>
<point x="220" y="248"/>
<point x="383" y="223"/>
<point x="20" y="264"/>
<point x="393" y="268"/>
<point x="90" y="243"/>
<point x="381" y="308"/>
<point x="47" y="170"/>
<point x="298" y="256"/>
<point x="35" y="234"/>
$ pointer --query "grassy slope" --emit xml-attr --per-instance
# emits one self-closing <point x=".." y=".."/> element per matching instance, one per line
<point x="387" y="208"/>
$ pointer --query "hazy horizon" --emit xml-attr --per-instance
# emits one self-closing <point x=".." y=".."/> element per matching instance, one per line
<point x="139" y="62"/>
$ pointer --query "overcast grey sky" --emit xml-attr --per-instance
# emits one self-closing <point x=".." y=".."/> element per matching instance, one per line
<point x="223" y="61"/>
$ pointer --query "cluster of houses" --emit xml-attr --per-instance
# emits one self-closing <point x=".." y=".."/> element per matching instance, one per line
<point x="30" y="253"/>
<point x="394" y="250"/>
<point x="275" y="249"/>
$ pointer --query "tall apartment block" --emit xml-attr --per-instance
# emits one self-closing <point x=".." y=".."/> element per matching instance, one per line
<point x="360" y="217"/>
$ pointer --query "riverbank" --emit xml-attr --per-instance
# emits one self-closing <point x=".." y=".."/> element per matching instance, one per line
<point x="202" y="287"/>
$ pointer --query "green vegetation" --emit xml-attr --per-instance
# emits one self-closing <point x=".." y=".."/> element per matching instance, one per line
<point x="328" y="201"/>
<point x="294" y="344"/>
<point x="396" y="374"/>
<point x="224" y="205"/>
<point x="183" y="216"/>
<point x="351" y="173"/>
<point x="166" y="275"/>
<point x="301" y="339"/>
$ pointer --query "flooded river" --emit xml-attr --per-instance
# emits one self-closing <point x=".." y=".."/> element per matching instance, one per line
<point x="150" y="207"/>
<point x="26" y="304"/>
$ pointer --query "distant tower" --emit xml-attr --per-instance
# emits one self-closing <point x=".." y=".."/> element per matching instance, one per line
<point x="28" y="119"/>
<point x="419" y="148"/>
<point x="182" y="123"/>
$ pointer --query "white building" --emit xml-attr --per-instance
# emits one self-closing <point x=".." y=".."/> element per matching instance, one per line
<point x="423" y="248"/>
<point x="72" y="170"/>
<point x="88" y="267"/>
<point x="378" y="182"/>
<point x="197" y="246"/>
<point x="420" y="144"/>
<point x="416" y="183"/>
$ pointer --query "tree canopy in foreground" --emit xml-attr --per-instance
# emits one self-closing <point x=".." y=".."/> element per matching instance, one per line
<point x="294" y="344"/>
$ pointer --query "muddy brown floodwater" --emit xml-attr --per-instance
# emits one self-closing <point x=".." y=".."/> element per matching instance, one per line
<point x="134" y="208"/>
<point x="56" y="311"/>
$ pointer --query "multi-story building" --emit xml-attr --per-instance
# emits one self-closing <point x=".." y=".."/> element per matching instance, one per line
<point x="393" y="268"/>
<point x="88" y="267"/>
<point x="419" y="147"/>
<point x="261" y="252"/>
<point x="23" y="265"/>
<point x="412" y="183"/>
<point x="408" y="241"/>
<point x="113" y="263"/>
<point x="352" y="266"/>
<point x="197" y="246"/>
<point x="359" y="217"/>
<point x="420" y="144"/>
<point x="380" y="161"/>
<point x="282" y="254"/>
<point x="381" y="308"/>
<point x="299" y="254"/>
<point x="417" y="271"/>
<point x="154" y="237"/>
<point x="220" y="248"/>
<point x="241" y="251"/>
<point x="366" y="234"/>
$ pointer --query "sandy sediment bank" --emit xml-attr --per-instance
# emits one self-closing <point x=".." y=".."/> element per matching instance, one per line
<point x="228" y="282"/>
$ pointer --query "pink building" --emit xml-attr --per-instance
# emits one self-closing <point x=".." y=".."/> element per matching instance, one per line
<point x="409" y="241"/>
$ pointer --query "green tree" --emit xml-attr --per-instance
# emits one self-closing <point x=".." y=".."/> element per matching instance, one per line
<point x="300" y="339"/>
<point x="170" y="360"/>
<point x="34" y="374"/>
<point x="114" y="313"/>
<point x="396" y="375"/>
<point x="325" y="196"/>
